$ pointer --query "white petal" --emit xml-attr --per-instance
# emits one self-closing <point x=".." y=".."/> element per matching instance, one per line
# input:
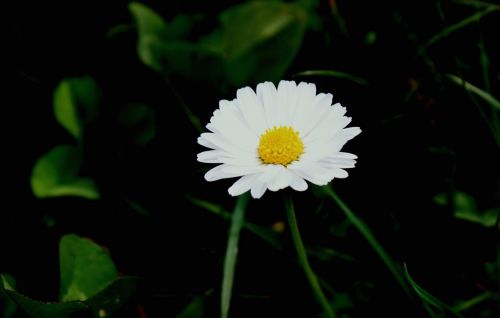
<point x="221" y="143"/>
<point x="286" y="101"/>
<point x="205" y="143"/>
<point x="281" y="180"/>
<point x="323" y="148"/>
<point x="269" y="173"/>
<point x="333" y="122"/>
<point x="229" y="123"/>
<point x="266" y="92"/>
<point x="258" y="190"/>
<point x="297" y="183"/>
<point x="339" y="160"/>
<point x="252" y="110"/>
<point x="210" y="156"/>
<point x="306" y="94"/>
<point x="243" y="184"/>
<point x="218" y="173"/>
<point x="312" y="172"/>
<point x="242" y="170"/>
<point x="315" y="114"/>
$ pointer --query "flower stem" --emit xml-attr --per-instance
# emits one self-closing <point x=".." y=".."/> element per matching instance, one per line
<point x="232" y="253"/>
<point x="303" y="261"/>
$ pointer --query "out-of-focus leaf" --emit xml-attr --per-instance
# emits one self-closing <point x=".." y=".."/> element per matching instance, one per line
<point x="261" y="39"/>
<point x="164" y="47"/>
<point x="429" y="299"/>
<point x="195" y="309"/>
<point x="9" y="306"/>
<point x="465" y="208"/>
<point x="85" y="267"/>
<point x="110" y="299"/>
<point x="150" y="30"/>
<point x="139" y="121"/>
<point x="55" y="174"/>
<point x="75" y="103"/>
<point x="257" y="41"/>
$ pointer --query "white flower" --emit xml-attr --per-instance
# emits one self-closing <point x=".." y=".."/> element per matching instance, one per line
<point x="277" y="138"/>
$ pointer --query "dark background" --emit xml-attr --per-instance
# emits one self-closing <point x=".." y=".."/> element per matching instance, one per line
<point x="413" y="147"/>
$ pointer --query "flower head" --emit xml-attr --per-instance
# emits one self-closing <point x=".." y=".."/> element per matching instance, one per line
<point x="276" y="138"/>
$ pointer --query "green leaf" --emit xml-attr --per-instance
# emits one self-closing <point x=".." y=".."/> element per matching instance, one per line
<point x="75" y="103"/>
<point x="9" y="306"/>
<point x="139" y="121"/>
<point x="150" y="27"/>
<point x="232" y="253"/>
<point x="261" y="39"/>
<point x="106" y="302"/>
<point x="465" y="208"/>
<point x="429" y="299"/>
<point x="86" y="268"/>
<point x="163" y="46"/>
<point x="55" y="175"/>
<point x="38" y="309"/>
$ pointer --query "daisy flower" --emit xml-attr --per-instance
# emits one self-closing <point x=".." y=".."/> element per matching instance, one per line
<point x="276" y="138"/>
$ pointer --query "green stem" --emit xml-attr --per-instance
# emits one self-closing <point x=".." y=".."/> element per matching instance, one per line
<point x="232" y="253"/>
<point x="303" y="261"/>
<point x="370" y="238"/>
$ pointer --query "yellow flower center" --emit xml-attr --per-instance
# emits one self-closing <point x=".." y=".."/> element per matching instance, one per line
<point x="280" y="145"/>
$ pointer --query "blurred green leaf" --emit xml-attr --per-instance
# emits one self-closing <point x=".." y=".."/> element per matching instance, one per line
<point x="465" y="208"/>
<point x="257" y="41"/>
<point x="261" y="39"/>
<point x="55" y="175"/>
<point x="139" y="121"/>
<point x="75" y="102"/>
<point x="467" y="304"/>
<point x="86" y="268"/>
<point x="119" y="292"/>
<point x="150" y="27"/>
<point x="195" y="309"/>
<point x="429" y="299"/>
<point x="9" y="306"/>
<point x="164" y="46"/>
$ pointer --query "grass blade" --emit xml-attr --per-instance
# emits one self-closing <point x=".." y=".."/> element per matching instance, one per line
<point x="332" y="73"/>
<point x="259" y="231"/>
<point x="303" y="260"/>
<point x="370" y="238"/>
<point x="427" y="298"/>
<point x="459" y="25"/>
<point x="232" y="253"/>
<point x="495" y="103"/>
